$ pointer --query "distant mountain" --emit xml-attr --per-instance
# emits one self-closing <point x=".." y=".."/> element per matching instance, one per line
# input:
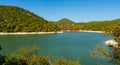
<point x="65" y="21"/>
<point x="52" y="21"/>
<point x="16" y="19"/>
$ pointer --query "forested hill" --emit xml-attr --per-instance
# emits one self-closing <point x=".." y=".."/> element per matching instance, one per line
<point x="67" y="24"/>
<point x="16" y="19"/>
<point x="99" y="25"/>
<point x="65" y="21"/>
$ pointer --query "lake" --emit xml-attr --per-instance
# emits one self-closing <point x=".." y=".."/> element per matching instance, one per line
<point x="71" y="45"/>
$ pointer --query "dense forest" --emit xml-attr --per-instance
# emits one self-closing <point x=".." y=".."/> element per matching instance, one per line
<point x="16" y="19"/>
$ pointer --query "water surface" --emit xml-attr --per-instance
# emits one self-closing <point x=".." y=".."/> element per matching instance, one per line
<point x="71" y="45"/>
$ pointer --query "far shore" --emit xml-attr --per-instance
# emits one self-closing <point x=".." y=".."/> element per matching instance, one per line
<point x="85" y="31"/>
<point x="27" y="33"/>
<point x="91" y="31"/>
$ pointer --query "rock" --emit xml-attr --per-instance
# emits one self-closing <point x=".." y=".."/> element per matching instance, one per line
<point x="112" y="43"/>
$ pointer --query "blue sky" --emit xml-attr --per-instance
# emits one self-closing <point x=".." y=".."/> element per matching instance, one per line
<point x="76" y="10"/>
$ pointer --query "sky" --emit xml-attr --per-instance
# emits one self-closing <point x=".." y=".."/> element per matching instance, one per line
<point x="76" y="10"/>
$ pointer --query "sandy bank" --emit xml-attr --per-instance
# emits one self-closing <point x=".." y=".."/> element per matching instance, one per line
<point x="91" y="31"/>
<point x="26" y="33"/>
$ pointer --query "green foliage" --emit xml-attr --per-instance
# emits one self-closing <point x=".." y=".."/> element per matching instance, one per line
<point x="63" y="61"/>
<point x="100" y="52"/>
<point x="10" y="60"/>
<point x="15" y="19"/>
<point x="51" y="27"/>
<point x="66" y="24"/>
<point x="30" y="56"/>
<point x="114" y="54"/>
<point x="65" y="21"/>
<point x="116" y="33"/>
<point x="99" y="25"/>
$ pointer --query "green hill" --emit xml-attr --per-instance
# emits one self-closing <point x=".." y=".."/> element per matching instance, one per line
<point x="66" y="24"/>
<point x="99" y="25"/>
<point x="16" y="19"/>
<point x="65" y="21"/>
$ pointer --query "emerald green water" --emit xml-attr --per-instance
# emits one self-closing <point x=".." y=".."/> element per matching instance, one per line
<point x="71" y="45"/>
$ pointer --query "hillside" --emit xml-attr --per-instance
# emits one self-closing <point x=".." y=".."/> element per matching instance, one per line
<point x="65" y="21"/>
<point x="16" y="19"/>
<point x="66" y="24"/>
<point x="99" y="25"/>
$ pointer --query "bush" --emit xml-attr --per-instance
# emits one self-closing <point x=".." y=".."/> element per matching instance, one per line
<point x="30" y="56"/>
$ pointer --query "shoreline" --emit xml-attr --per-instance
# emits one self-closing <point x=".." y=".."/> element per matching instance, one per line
<point x="28" y="33"/>
<point x="91" y="31"/>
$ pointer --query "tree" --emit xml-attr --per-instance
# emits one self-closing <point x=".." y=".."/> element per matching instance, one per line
<point x="114" y="54"/>
<point x="30" y="56"/>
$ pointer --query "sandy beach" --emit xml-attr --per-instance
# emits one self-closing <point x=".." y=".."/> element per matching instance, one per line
<point x="27" y="33"/>
<point x="91" y="31"/>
